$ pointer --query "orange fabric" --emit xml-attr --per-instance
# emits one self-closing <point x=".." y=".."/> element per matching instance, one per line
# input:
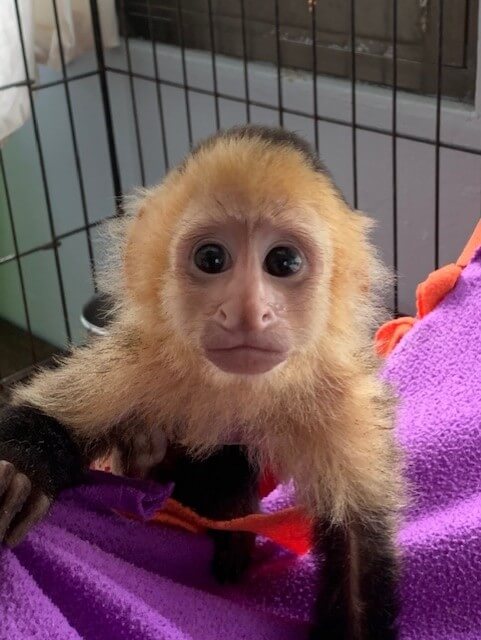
<point x="391" y="333"/>
<point x="428" y="295"/>
<point x="438" y="283"/>
<point x="288" y="527"/>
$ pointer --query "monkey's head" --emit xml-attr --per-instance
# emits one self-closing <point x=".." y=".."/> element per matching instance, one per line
<point x="247" y="258"/>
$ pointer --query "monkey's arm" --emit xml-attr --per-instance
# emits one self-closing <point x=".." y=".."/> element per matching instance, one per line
<point x="56" y="425"/>
<point x="37" y="460"/>
<point x="222" y="486"/>
<point x="358" y="596"/>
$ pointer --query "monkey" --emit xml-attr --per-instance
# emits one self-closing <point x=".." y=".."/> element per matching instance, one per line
<point x="247" y="290"/>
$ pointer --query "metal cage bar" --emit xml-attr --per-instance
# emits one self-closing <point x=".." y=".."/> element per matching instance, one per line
<point x="133" y="101"/>
<point x="440" y="26"/>
<point x="184" y="71"/>
<point x="245" y="61"/>
<point x="104" y="89"/>
<point x="353" y="103"/>
<point x="214" y="63"/>
<point x="47" y="85"/>
<point x="160" y="102"/>
<point x="313" y="10"/>
<point x="280" y="106"/>
<point x="395" y="258"/>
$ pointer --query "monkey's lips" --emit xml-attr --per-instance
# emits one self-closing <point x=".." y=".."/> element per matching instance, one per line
<point x="246" y="359"/>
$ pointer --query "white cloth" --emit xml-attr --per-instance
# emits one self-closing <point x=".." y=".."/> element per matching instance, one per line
<point x="14" y="102"/>
<point x="42" y="46"/>
<point x="75" y="27"/>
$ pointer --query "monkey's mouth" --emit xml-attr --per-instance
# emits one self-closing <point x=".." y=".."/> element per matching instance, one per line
<point x="245" y="359"/>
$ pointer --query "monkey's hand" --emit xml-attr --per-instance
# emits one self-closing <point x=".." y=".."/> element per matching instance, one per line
<point x="38" y="459"/>
<point x="22" y="505"/>
<point x="137" y="454"/>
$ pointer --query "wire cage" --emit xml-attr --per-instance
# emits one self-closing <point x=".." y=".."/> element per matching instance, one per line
<point x="186" y="68"/>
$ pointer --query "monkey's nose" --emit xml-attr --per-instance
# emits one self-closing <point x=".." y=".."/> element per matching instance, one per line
<point x="246" y="315"/>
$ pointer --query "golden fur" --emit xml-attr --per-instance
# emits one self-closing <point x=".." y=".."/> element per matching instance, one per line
<point x="323" y="418"/>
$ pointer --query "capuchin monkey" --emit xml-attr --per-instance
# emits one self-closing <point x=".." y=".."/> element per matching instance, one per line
<point x="247" y="294"/>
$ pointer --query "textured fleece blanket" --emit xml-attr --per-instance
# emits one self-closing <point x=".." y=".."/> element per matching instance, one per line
<point x="87" y="572"/>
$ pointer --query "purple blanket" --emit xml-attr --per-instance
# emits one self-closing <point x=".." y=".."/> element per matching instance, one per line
<point x="88" y="573"/>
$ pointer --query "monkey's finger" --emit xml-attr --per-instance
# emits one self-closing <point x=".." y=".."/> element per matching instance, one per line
<point x="6" y="474"/>
<point x="13" y="500"/>
<point x="33" y="511"/>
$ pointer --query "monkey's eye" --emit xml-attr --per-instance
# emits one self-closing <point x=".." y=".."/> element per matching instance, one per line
<point x="211" y="258"/>
<point x="283" y="262"/>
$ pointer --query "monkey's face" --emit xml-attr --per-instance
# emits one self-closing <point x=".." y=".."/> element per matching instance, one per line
<point x="246" y="289"/>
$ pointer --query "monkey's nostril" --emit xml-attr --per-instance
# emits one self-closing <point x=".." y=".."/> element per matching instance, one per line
<point x="267" y="317"/>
